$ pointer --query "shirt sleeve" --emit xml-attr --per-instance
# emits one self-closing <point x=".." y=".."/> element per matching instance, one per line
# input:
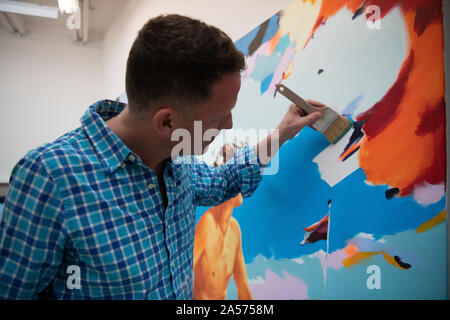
<point x="215" y="185"/>
<point x="31" y="232"/>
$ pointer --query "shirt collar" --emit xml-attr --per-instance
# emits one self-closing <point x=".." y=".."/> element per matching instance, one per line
<point x="111" y="151"/>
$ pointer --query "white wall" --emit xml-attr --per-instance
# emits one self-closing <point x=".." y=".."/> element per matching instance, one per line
<point x="45" y="87"/>
<point x="235" y="17"/>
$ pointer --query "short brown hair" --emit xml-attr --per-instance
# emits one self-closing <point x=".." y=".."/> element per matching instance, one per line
<point x="176" y="59"/>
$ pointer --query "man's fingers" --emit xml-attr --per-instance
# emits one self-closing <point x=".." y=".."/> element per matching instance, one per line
<point x="311" y="118"/>
<point x="300" y="111"/>
<point x="316" y="104"/>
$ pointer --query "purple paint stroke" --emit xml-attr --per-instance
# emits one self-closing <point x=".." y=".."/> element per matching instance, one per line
<point x="277" y="288"/>
<point x="426" y="193"/>
<point x="282" y="67"/>
<point x="334" y="259"/>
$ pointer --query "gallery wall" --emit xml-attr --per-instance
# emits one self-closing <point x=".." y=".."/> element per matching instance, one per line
<point x="234" y="17"/>
<point x="46" y="86"/>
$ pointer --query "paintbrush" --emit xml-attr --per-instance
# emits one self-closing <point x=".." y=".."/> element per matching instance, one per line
<point x="332" y="125"/>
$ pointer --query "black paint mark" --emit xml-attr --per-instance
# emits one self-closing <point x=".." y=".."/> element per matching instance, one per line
<point x="329" y="202"/>
<point x="392" y="193"/>
<point x="401" y="263"/>
<point x="360" y="11"/>
<point x="257" y="41"/>
<point x="321" y="233"/>
<point x="356" y="136"/>
<point x="320" y="71"/>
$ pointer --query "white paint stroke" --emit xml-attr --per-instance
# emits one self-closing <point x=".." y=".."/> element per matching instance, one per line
<point x="427" y="193"/>
<point x="331" y="168"/>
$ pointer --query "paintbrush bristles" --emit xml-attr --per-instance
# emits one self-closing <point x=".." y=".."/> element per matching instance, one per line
<point x="337" y="129"/>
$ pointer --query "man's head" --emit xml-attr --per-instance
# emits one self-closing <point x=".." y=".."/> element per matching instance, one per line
<point x="177" y="66"/>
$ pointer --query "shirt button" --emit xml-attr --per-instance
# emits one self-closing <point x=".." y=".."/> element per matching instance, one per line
<point x="123" y="164"/>
<point x="132" y="157"/>
<point x="150" y="186"/>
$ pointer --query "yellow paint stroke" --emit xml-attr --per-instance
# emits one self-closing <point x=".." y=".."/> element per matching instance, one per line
<point x="298" y="20"/>
<point x="433" y="222"/>
<point x="358" y="258"/>
<point x="391" y="260"/>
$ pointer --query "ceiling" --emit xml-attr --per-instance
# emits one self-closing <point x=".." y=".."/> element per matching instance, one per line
<point x="101" y="15"/>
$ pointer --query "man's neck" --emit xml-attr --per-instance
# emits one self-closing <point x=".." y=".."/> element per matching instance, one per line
<point x="222" y="214"/>
<point x="137" y="136"/>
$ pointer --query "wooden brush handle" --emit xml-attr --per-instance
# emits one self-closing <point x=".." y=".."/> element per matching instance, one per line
<point x="299" y="102"/>
<point x="328" y="115"/>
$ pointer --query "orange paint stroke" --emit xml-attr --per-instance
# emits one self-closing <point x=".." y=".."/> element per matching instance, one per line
<point x="403" y="149"/>
<point x="315" y="225"/>
<point x="274" y="42"/>
<point x="350" y="250"/>
<point x="350" y="150"/>
<point x="358" y="258"/>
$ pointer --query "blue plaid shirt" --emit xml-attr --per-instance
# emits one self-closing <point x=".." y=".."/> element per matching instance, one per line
<point x="86" y="200"/>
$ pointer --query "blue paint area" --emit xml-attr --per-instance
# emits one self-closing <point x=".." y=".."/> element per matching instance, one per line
<point x="266" y="82"/>
<point x="351" y="283"/>
<point x="272" y="28"/>
<point x="273" y="218"/>
<point x="424" y="280"/>
<point x="1" y="211"/>
<point x="243" y="43"/>
<point x="265" y="65"/>
<point x="283" y="44"/>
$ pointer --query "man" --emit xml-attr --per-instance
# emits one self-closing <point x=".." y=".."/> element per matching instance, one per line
<point x="103" y="212"/>
<point x="218" y="248"/>
<point x="218" y="254"/>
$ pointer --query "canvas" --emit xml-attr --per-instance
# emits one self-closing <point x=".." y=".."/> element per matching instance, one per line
<point x="379" y="63"/>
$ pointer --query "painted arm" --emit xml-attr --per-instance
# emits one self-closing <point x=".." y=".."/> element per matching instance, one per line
<point x="240" y="273"/>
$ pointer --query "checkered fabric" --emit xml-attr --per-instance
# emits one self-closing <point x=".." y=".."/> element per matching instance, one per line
<point x="85" y="205"/>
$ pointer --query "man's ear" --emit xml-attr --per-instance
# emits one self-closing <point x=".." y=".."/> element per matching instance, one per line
<point x="163" y="121"/>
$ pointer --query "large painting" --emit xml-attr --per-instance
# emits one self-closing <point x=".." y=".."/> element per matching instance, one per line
<point x="364" y="218"/>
